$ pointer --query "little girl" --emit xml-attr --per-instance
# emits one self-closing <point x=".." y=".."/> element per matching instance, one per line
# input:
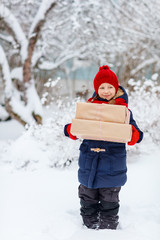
<point x="102" y="173"/>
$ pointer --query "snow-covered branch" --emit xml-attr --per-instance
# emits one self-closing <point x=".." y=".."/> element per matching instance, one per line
<point x="45" y="6"/>
<point x="16" y="29"/>
<point x="127" y="15"/>
<point x="6" y="74"/>
<point x="144" y="64"/>
<point x="63" y="58"/>
<point x="8" y="39"/>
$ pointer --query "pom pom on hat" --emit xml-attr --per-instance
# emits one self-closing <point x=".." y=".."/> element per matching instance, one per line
<point x="105" y="75"/>
<point x="103" y="67"/>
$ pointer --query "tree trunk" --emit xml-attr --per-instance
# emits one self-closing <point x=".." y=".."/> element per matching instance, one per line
<point x="14" y="115"/>
<point x="26" y="57"/>
<point x="27" y="67"/>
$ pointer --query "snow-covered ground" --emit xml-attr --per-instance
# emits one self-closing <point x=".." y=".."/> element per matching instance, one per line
<point x="41" y="203"/>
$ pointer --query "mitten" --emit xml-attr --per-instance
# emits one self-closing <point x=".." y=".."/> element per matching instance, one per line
<point x="69" y="132"/>
<point x="135" y="136"/>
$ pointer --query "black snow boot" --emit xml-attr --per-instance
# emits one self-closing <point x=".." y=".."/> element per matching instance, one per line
<point x="109" y="215"/>
<point x="90" y="214"/>
<point x="91" y="222"/>
<point x="111" y="222"/>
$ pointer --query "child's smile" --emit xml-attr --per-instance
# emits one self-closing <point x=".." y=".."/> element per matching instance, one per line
<point x="106" y="91"/>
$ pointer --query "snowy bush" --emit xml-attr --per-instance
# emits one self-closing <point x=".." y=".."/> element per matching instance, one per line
<point x="60" y="151"/>
<point x="45" y="145"/>
<point x="144" y="102"/>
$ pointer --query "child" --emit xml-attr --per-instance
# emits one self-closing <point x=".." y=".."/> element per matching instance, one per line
<point x="102" y="164"/>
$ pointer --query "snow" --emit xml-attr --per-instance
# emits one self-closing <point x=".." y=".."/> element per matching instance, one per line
<point x="3" y="113"/>
<point x="40" y="202"/>
<point x="155" y="76"/>
<point x="17" y="73"/>
<point x="34" y="103"/>
<point x="10" y="130"/>
<point x="47" y="65"/>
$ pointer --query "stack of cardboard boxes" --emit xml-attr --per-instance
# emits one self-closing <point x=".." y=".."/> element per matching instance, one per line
<point x="102" y="122"/>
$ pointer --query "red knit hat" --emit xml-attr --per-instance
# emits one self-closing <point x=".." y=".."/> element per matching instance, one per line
<point x="105" y="75"/>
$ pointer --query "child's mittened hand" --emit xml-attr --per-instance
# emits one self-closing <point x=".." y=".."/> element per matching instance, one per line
<point x="69" y="132"/>
<point x="135" y="136"/>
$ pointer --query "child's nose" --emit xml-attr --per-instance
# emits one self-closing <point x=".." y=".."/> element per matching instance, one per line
<point x="106" y="89"/>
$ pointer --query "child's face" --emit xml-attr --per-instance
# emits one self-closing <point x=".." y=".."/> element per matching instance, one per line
<point x="106" y="91"/>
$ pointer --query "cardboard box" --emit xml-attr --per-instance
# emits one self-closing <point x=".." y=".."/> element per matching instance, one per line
<point x="97" y="130"/>
<point x="102" y="112"/>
